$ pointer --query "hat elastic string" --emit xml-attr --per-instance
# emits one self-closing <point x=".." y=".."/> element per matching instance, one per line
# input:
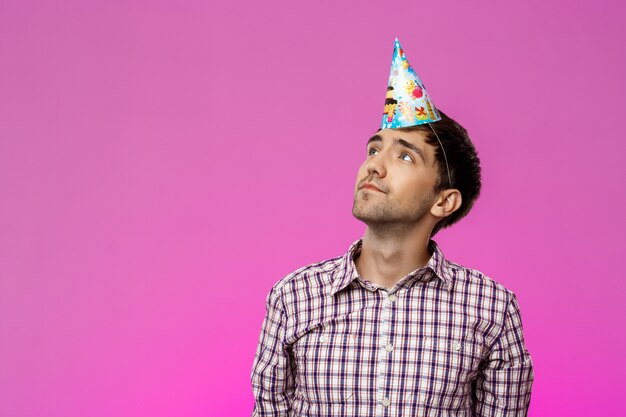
<point x="444" y="154"/>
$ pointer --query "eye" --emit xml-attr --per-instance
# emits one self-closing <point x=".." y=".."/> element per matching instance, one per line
<point x="410" y="158"/>
<point x="369" y="152"/>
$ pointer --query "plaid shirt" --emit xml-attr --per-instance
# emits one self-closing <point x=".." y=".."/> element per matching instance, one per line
<point x="444" y="341"/>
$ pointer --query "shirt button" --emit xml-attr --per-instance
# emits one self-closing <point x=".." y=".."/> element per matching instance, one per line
<point x="392" y="298"/>
<point x="386" y="402"/>
<point x="457" y="346"/>
<point x="322" y="339"/>
<point x="389" y="347"/>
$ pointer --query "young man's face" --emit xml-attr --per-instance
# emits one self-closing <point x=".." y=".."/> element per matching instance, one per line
<point x="406" y="180"/>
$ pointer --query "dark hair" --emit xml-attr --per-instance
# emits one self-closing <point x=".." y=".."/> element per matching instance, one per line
<point x="463" y="162"/>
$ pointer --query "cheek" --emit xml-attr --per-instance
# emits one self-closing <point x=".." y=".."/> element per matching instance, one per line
<point x="362" y="172"/>
<point x="413" y="188"/>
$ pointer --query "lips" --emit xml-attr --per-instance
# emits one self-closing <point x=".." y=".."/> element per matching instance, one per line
<point x="371" y="186"/>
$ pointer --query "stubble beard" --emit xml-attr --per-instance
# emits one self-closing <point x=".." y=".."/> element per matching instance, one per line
<point x="385" y="212"/>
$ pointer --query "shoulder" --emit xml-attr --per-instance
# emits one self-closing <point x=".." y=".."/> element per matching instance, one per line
<point x="477" y="283"/>
<point x="313" y="277"/>
<point x="487" y="301"/>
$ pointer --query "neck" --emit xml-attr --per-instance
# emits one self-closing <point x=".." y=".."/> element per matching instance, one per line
<point x="390" y="252"/>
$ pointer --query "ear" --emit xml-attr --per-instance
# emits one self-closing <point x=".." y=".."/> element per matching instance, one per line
<point x="447" y="203"/>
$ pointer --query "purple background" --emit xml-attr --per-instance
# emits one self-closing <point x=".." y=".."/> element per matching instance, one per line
<point x="162" y="164"/>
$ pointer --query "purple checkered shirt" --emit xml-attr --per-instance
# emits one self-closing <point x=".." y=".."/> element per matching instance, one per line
<point x="444" y="341"/>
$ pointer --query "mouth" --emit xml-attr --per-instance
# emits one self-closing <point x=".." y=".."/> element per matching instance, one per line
<point x="370" y="187"/>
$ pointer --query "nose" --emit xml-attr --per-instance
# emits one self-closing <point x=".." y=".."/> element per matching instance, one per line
<point x="377" y="164"/>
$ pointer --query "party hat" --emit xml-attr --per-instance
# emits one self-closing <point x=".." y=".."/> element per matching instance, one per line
<point x="407" y="103"/>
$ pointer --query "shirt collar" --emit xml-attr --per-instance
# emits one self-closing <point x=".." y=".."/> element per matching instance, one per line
<point x="347" y="271"/>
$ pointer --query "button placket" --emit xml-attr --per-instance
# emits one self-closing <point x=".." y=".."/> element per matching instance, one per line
<point x="386" y="347"/>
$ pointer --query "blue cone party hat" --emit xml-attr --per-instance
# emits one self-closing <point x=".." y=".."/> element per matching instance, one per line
<point x="407" y="102"/>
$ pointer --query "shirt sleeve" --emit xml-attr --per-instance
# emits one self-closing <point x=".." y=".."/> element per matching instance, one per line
<point x="503" y="386"/>
<point x="272" y="372"/>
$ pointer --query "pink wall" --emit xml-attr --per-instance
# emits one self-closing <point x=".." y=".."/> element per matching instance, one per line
<point x="163" y="164"/>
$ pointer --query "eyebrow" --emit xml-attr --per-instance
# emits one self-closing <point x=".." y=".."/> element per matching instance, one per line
<point x="401" y="142"/>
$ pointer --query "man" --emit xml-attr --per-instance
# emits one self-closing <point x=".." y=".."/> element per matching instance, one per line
<point x="392" y="327"/>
